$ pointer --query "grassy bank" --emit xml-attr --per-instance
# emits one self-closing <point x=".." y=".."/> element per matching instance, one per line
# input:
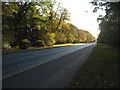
<point x="33" y="48"/>
<point x="100" y="70"/>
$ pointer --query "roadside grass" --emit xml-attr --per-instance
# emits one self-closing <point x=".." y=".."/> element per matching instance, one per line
<point x="57" y="45"/>
<point x="100" y="70"/>
<point x="35" y="48"/>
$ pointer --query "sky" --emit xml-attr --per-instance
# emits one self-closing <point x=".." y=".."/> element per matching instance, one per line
<point x="82" y="15"/>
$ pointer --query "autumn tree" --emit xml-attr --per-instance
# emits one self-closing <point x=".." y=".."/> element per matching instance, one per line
<point x="38" y="22"/>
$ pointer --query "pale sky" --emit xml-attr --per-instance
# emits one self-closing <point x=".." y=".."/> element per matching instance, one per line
<point x="80" y="18"/>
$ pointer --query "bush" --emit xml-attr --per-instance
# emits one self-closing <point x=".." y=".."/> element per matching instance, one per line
<point x="6" y="45"/>
<point x="13" y="44"/>
<point x="49" y="39"/>
<point x="24" y="44"/>
<point x="60" y="38"/>
<point x="40" y="43"/>
<point x="49" y="42"/>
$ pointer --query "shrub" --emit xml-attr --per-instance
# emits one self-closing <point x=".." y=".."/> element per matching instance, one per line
<point x="49" y="39"/>
<point x="13" y="44"/>
<point x="6" y="45"/>
<point x="49" y="42"/>
<point x="40" y="43"/>
<point x="60" y="38"/>
<point x="24" y="44"/>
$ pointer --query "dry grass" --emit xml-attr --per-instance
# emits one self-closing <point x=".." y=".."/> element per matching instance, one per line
<point x="100" y="70"/>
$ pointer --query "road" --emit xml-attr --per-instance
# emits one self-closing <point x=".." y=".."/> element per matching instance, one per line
<point x="47" y="68"/>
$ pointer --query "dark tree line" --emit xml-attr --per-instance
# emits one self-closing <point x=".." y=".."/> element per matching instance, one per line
<point x="110" y="23"/>
<point x="34" y="23"/>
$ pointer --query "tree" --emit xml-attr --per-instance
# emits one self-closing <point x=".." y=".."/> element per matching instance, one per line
<point x="38" y="21"/>
<point x="13" y="14"/>
<point x="109" y="25"/>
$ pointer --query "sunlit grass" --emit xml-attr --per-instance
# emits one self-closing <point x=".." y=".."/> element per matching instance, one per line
<point x="69" y="44"/>
<point x="57" y="45"/>
<point x="34" y="48"/>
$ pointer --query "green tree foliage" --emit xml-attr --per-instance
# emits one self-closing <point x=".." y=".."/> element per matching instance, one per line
<point x="24" y="44"/>
<point x="109" y="25"/>
<point x="13" y="14"/>
<point x="38" y="22"/>
<point x="6" y="45"/>
<point x="40" y="43"/>
<point x="60" y="38"/>
<point x="49" y="39"/>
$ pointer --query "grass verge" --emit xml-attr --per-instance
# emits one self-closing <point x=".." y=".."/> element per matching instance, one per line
<point x="100" y="70"/>
<point x="36" y="48"/>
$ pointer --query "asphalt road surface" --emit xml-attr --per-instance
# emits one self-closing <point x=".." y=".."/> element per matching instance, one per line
<point x="46" y="68"/>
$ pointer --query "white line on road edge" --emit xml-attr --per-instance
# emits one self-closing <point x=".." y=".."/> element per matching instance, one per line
<point x="33" y="66"/>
